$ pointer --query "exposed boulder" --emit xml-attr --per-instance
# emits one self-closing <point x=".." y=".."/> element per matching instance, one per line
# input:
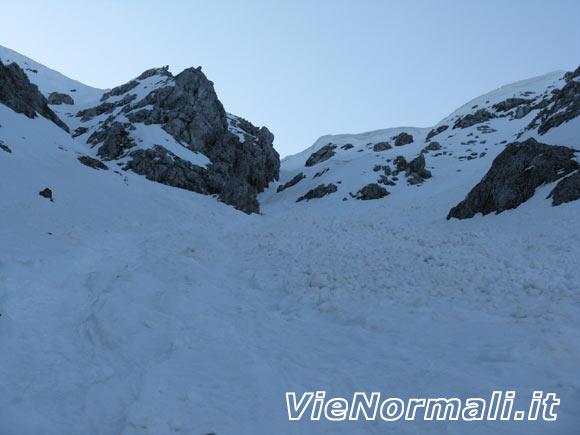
<point x="400" y="164"/>
<point x="347" y="146"/>
<point x="416" y="172"/>
<point x="471" y="119"/>
<point x="514" y="176"/>
<point x="46" y="193"/>
<point x="568" y="189"/>
<point x="299" y="177"/>
<point x="20" y="95"/>
<point x="371" y="191"/>
<point x="92" y="163"/>
<point x="318" y="192"/>
<point x="403" y="139"/>
<point x="5" y="147"/>
<point x="57" y="98"/>
<point x="323" y="154"/>
<point x="381" y="146"/>
<point x="433" y="146"/>
<point x="435" y="132"/>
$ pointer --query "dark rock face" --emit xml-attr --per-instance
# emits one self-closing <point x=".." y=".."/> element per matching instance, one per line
<point x="318" y="192"/>
<point x="160" y="165"/>
<point x="115" y="140"/>
<point x="92" y="163"/>
<point x="471" y="119"/>
<point x="562" y="107"/>
<point x="400" y="164"/>
<point x="347" y="146"/>
<point x="46" y="193"/>
<point x="243" y="160"/>
<point x="522" y="111"/>
<point x="294" y="181"/>
<point x="416" y="172"/>
<point x="381" y="146"/>
<point x="510" y="103"/>
<point x="56" y="99"/>
<point x="371" y="191"/>
<point x="120" y="90"/>
<point x="323" y="154"/>
<point x="20" y="95"/>
<point x="566" y="190"/>
<point x="514" y="176"/>
<point x="104" y="108"/>
<point x="435" y="132"/>
<point x="403" y="139"/>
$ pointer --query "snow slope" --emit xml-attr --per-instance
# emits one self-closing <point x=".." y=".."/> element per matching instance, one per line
<point x="130" y="307"/>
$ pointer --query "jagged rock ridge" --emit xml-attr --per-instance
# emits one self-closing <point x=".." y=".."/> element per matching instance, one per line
<point x="242" y="158"/>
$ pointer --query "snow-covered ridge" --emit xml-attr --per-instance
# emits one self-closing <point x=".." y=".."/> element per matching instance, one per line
<point x="49" y="80"/>
<point x="457" y="151"/>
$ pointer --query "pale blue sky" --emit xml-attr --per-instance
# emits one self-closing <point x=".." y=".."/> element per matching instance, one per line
<point x="308" y="68"/>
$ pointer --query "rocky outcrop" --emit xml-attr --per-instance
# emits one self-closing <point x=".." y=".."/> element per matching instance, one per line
<point x="243" y="160"/>
<point x="509" y="103"/>
<point x="416" y="172"/>
<point x="433" y="146"/>
<point x="471" y="119"/>
<point x="5" y="147"/>
<point x="371" y="191"/>
<point x="514" y="176"/>
<point x="562" y="107"/>
<point x="566" y="190"/>
<point x="318" y="192"/>
<point x="403" y="139"/>
<point x="57" y="98"/>
<point x="92" y="163"/>
<point x="294" y="181"/>
<point x="114" y="138"/>
<point x="20" y="95"/>
<point x="381" y="146"/>
<point x="323" y="154"/>
<point x="46" y="193"/>
<point x="435" y="132"/>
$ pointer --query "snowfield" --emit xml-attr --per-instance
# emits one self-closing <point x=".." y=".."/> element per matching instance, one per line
<point x="130" y="307"/>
